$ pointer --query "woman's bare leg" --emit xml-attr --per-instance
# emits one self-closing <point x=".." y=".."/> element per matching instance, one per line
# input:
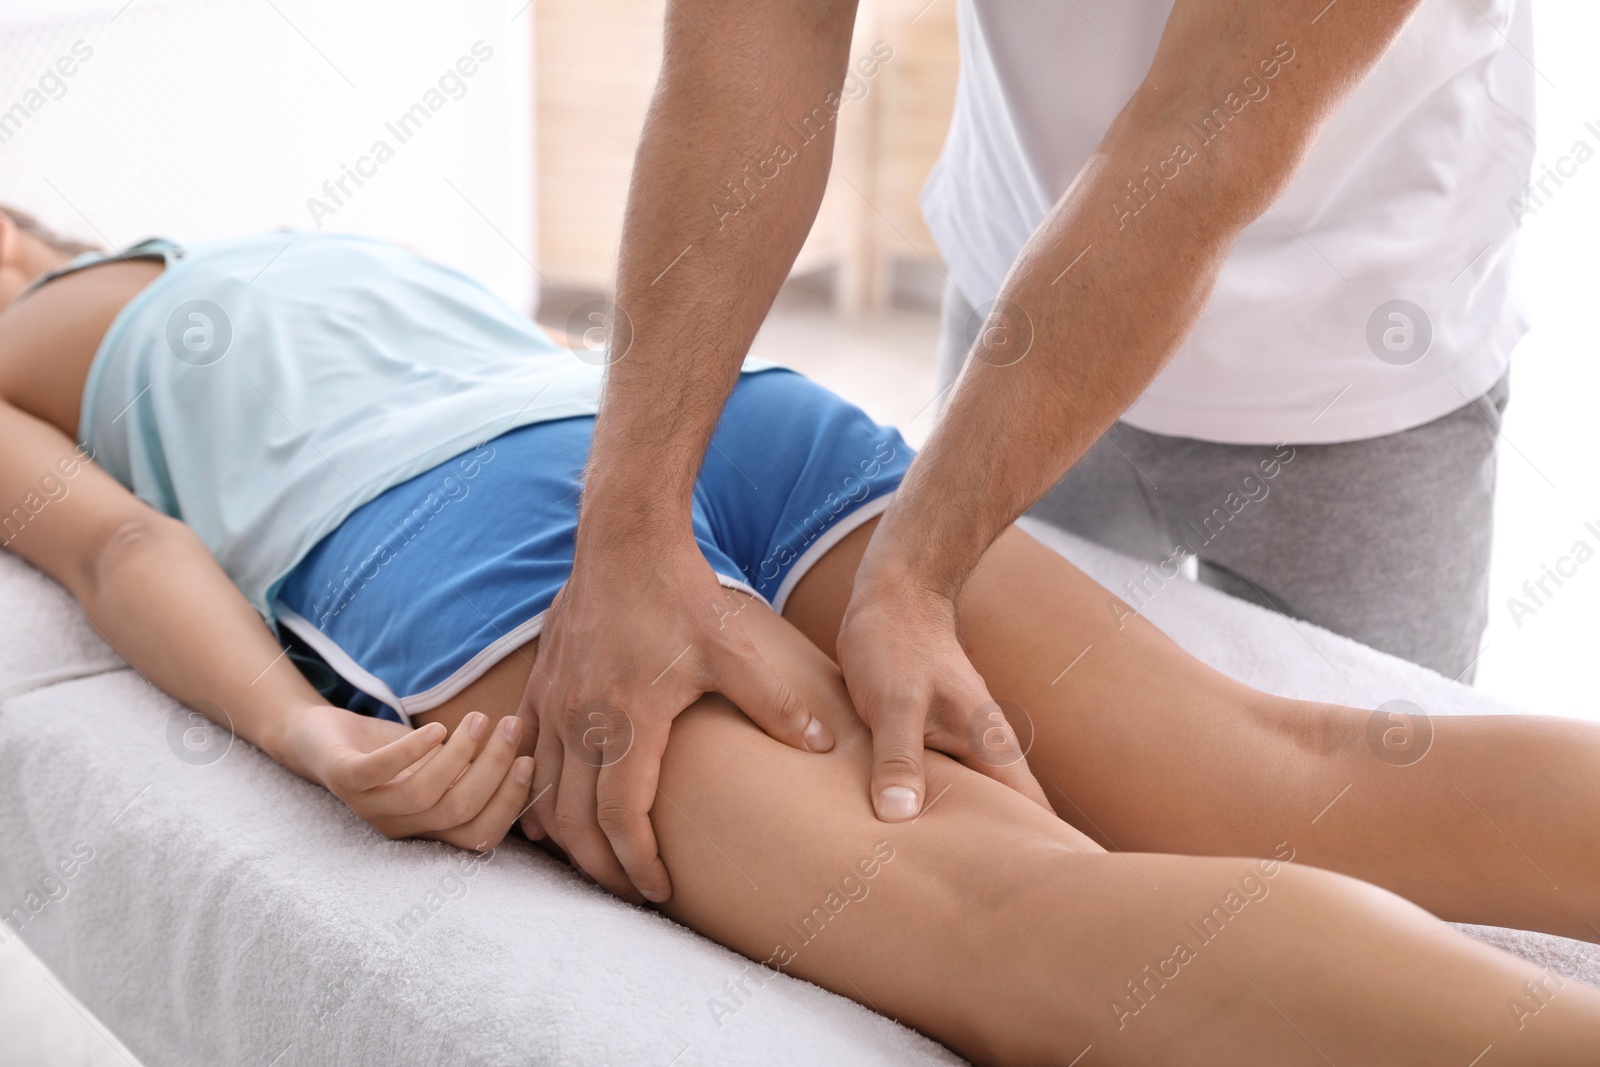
<point x="996" y="928"/>
<point x="1147" y="749"/>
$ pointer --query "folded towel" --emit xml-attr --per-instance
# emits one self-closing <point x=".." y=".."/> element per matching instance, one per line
<point x="212" y="908"/>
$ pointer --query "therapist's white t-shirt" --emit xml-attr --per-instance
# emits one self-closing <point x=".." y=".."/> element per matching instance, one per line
<point x="1407" y="196"/>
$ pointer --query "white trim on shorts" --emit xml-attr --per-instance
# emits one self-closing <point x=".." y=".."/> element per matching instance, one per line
<point x="476" y="667"/>
<point x="406" y="706"/>
<point x="847" y="525"/>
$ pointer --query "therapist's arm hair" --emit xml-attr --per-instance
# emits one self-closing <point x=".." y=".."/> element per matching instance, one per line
<point x="1112" y="282"/>
<point x="716" y="215"/>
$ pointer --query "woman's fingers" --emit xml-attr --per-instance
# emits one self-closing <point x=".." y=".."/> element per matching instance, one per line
<point x="369" y="770"/>
<point x="499" y="815"/>
<point x="425" y="786"/>
<point x="465" y="799"/>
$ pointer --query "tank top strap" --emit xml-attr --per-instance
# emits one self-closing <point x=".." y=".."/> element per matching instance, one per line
<point x="150" y="248"/>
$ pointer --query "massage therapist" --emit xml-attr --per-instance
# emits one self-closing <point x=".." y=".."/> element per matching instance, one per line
<point x="1228" y="290"/>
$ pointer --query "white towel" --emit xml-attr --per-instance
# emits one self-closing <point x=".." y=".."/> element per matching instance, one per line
<point x="228" y="912"/>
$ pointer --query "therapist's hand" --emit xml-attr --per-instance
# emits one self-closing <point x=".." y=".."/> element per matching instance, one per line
<point x="641" y="630"/>
<point x="913" y="685"/>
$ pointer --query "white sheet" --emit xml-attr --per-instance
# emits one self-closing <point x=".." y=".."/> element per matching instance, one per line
<point x="231" y="913"/>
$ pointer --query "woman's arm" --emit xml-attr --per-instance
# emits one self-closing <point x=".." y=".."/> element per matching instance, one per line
<point x="150" y="587"/>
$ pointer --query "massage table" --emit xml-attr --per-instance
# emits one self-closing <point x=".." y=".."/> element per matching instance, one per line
<point x="220" y="910"/>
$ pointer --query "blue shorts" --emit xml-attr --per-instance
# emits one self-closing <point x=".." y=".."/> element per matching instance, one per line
<point x="422" y="590"/>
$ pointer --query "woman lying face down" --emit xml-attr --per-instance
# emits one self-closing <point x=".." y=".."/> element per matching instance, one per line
<point x="329" y="442"/>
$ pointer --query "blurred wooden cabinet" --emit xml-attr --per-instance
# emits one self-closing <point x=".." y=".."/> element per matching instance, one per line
<point x="595" y="66"/>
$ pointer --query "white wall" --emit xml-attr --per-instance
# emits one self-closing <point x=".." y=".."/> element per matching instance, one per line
<point x="1550" y="453"/>
<point x="195" y="118"/>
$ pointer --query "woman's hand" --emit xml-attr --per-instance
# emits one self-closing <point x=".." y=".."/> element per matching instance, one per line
<point x="414" y="783"/>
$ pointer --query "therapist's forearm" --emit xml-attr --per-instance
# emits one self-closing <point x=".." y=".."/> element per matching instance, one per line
<point x="1074" y="338"/>
<point x="1094" y="338"/>
<point x="1106" y="290"/>
<point x="716" y="215"/>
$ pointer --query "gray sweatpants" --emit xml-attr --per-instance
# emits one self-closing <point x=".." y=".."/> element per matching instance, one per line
<point x="1384" y="540"/>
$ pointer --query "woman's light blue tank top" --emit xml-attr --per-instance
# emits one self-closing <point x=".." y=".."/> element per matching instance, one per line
<point x="263" y="389"/>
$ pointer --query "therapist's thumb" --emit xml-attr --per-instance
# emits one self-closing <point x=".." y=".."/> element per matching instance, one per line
<point x="897" y="747"/>
<point x="758" y="691"/>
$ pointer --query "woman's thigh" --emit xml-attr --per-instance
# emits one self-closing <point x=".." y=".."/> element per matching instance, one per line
<point x="1135" y="742"/>
<point x="996" y="928"/>
<point x="1145" y="748"/>
<point x="777" y="854"/>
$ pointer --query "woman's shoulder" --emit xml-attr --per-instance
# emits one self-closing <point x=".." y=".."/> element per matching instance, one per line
<point x="49" y="340"/>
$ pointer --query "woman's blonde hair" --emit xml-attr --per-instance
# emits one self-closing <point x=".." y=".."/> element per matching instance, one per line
<point x="44" y="234"/>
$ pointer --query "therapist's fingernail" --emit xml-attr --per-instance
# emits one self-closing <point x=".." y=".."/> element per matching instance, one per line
<point x="510" y="727"/>
<point x="818" y="739"/>
<point x="654" y="896"/>
<point x="476" y="722"/>
<point x="896" y="803"/>
<point x="522" y="770"/>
